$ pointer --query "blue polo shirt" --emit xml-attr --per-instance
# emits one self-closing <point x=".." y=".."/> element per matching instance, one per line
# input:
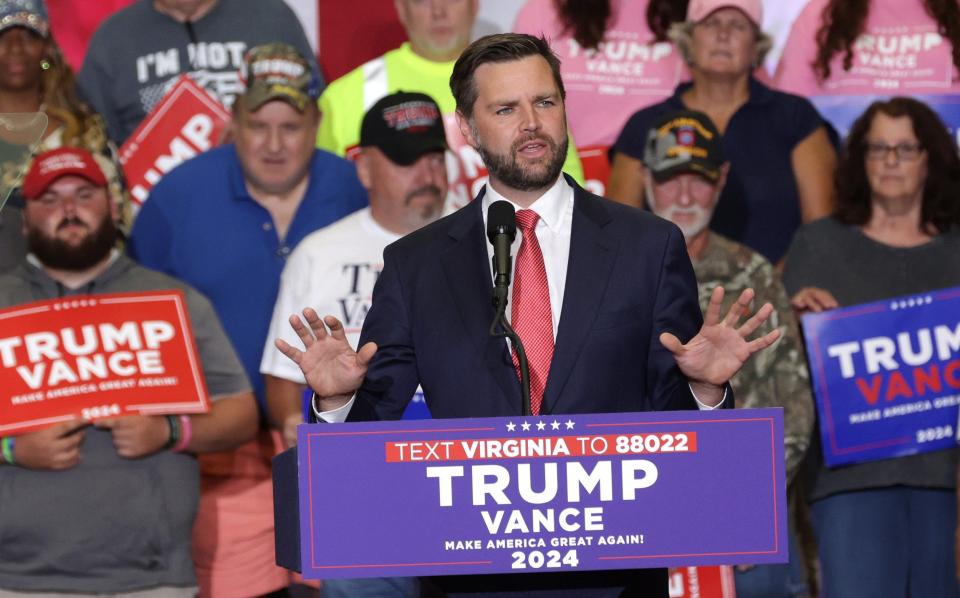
<point x="760" y="205"/>
<point x="201" y="225"/>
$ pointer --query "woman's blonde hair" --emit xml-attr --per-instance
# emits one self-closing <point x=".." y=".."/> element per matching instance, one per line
<point x="681" y="34"/>
<point x="59" y="96"/>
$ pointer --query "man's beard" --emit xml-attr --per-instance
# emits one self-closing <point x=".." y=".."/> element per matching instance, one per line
<point x="701" y="215"/>
<point x="701" y="219"/>
<point x="429" y="211"/>
<point x="508" y="169"/>
<point x="60" y="255"/>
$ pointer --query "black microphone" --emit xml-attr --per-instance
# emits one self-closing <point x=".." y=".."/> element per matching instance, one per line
<point x="501" y="230"/>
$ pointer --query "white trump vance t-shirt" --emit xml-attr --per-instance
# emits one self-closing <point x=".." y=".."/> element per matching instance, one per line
<point x="333" y="271"/>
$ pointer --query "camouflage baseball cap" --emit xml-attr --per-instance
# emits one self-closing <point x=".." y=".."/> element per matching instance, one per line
<point x="683" y="141"/>
<point x="277" y="72"/>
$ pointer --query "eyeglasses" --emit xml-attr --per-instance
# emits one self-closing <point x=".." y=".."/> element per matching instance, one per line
<point x="907" y="152"/>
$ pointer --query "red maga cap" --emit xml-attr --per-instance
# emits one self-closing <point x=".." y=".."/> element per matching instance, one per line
<point x="50" y="166"/>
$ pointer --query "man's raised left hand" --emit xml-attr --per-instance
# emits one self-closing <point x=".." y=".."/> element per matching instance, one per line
<point x="721" y="347"/>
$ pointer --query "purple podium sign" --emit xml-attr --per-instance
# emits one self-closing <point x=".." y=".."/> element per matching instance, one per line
<point x="536" y="494"/>
<point x="886" y="376"/>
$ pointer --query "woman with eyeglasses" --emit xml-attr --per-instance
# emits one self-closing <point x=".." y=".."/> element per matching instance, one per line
<point x="885" y="528"/>
<point x="781" y="157"/>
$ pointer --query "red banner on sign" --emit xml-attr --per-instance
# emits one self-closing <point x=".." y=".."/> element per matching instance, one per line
<point x="596" y="167"/>
<point x="186" y="122"/>
<point x="466" y="171"/>
<point x="702" y="582"/>
<point x="97" y="356"/>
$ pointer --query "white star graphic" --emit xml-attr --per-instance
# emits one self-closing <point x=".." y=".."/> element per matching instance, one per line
<point x="511" y="427"/>
<point x="525" y="426"/>
<point x="555" y="425"/>
<point x="570" y="424"/>
<point x="541" y="425"/>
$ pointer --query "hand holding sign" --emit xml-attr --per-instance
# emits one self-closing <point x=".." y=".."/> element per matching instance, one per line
<point x="96" y="357"/>
<point x="54" y="448"/>
<point x="886" y="376"/>
<point x="329" y="364"/>
<point x="721" y="348"/>
<point x="813" y="299"/>
<point x="137" y="436"/>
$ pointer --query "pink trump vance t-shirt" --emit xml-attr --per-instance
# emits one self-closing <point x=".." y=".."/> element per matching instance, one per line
<point x="605" y="86"/>
<point x="900" y="52"/>
<point x="628" y="71"/>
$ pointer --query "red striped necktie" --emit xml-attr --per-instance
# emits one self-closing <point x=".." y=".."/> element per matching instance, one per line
<point x="531" y="316"/>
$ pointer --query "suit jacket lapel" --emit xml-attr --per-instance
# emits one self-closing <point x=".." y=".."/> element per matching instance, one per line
<point x="467" y="269"/>
<point x="588" y="271"/>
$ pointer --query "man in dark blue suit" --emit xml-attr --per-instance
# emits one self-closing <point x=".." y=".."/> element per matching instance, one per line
<point x="618" y="304"/>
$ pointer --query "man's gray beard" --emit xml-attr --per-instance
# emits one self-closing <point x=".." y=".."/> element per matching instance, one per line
<point x="59" y="255"/>
<point x="689" y="230"/>
<point x="429" y="211"/>
<point x="509" y="171"/>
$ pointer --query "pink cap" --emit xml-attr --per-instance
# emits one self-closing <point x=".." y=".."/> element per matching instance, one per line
<point x="698" y="10"/>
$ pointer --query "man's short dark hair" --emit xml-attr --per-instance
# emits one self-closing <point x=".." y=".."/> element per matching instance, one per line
<point x="501" y="47"/>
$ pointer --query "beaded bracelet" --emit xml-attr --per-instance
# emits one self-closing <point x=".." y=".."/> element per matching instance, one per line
<point x="7" y="446"/>
<point x="186" y="434"/>
<point x="174" y="432"/>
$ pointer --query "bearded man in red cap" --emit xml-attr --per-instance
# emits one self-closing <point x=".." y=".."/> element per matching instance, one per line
<point x="106" y="509"/>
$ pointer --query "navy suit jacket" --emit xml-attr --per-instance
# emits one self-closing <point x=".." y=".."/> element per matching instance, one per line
<point x="628" y="280"/>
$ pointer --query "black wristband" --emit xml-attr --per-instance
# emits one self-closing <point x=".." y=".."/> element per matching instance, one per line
<point x="174" y="424"/>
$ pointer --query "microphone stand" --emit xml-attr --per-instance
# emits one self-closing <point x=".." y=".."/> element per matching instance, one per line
<point x="507" y="331"/>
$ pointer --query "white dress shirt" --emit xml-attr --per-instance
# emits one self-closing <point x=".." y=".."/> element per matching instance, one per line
<point x="555" y="208"/>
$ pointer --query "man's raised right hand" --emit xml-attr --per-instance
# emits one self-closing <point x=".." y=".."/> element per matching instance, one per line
<point x="331" y="367"/>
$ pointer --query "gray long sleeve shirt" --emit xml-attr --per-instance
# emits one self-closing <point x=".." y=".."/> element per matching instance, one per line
<point x="856" y="269"/>
<point x="137" y="53"/>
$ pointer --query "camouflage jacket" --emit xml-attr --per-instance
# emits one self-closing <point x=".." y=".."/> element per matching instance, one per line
<point x="776" y="376"/>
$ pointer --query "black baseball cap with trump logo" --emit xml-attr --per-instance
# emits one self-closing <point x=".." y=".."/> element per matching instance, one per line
<point x="683" y="141"/>
<point x="404" y="126"/>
